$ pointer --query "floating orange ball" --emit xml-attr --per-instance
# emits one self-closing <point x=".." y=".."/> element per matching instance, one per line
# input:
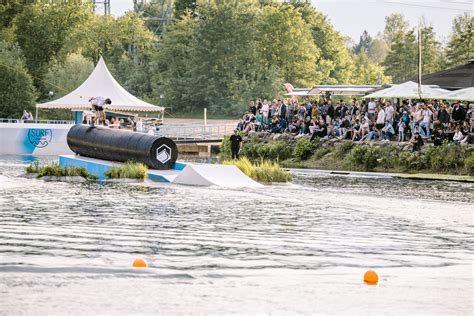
<point x="370" y="277"/>
<point x="140" y="263"/>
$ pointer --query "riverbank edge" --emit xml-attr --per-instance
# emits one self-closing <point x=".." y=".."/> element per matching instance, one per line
<point x="409" y="176"/>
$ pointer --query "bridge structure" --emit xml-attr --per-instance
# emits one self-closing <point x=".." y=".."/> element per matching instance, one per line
<point x="196" y="133"/>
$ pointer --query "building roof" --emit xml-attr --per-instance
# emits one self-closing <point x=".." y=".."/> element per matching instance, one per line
<point x="454" y="78"/>
<point x="101" y="83"/>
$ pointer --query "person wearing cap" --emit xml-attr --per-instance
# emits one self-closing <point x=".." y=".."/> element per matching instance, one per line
<point x="235" y="141"/>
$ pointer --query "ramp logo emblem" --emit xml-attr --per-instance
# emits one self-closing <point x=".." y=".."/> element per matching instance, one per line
<point x="163" y="154"/>
<point x="40" y="137"/>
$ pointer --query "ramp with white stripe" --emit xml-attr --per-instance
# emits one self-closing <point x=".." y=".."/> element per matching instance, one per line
<point x="218" y="175"/>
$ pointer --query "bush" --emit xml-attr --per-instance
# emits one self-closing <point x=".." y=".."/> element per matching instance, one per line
<point x="265" y="171"/>
<point x="388" y="157"/>
<point x="320" y="153"/>
<point x="132" y="170"/>
<point x="33" y="167"/>
<point x="225" y="152"/>
<point x="55" y="170"/>
<point x="469" y="165"/>
<point x="303" y="149"/>
<point x="274" y="151"/>
<point x="343" y="148"/>
<point x="362" y="158"/>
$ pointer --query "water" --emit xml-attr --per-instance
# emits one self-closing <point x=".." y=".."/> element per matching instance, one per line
<point x="284" y="249"/>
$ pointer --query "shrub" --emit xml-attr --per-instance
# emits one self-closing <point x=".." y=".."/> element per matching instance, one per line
<point x="320" y="153"/>
<point x="55" y="170"/>
<point x="265" y="171"/>
<point x="33" y="167"/>
<point x="388" y="157"/>
<point x="303" y="149"/>
<point x="469" y="165"/>
<point x="362" y="157"/>
<point x="275" y="151"/>
<point x="131" y="170"/>
<point x="225" y="152"/>
<point x="343" y="148"/>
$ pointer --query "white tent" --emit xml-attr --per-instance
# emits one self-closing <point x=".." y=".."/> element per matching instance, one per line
<point x="408" y="90"/>
<point x="101" y="83"/>
<point x="466" y="94"/>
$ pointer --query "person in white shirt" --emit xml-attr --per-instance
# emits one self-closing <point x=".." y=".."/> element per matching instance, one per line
<point x="389" y="112"/>
<point x="98" y="104"/>
<point x="426" y="114"/>
<point x="380" y="123"/>
<point x="458" y="135"/>
<point x="371" y="109"/>
<point x="265" y="111"/>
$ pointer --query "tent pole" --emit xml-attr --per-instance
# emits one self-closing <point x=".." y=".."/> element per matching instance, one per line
<point x="419" y="61"/>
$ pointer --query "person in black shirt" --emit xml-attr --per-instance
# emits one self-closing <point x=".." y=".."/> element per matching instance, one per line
<point x="417" y="142"/>
<point x="235" y="141"/>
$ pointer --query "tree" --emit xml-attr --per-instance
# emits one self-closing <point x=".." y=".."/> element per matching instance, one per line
<point x="461" y="42"/>
<point x="42" y="29"/>
<point x="394" y="24"/>
<point x="181" y="6"/>
<point x="17" y="92"/>
<point x="431" y="51"/>
<point x="378" y="50"/>
<point x="368" y="72"/>
<point x="364" y="43"/>
<point x="401" y="62"/>
<point x="65" y="76"/>
<point x="286" y="43"/>
<point x="334" y="64"/>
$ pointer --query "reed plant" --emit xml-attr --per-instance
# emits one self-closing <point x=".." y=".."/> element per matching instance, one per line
<point x="131" y="169"/>
<point x="55" y="170"/>
<point x="263" y="171"/>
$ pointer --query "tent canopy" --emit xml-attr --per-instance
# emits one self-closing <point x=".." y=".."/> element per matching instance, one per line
<point x="101" y="83"/>
<point x="342" y="90"/>
<point x="466" y="94"/>
<point x="408" y="90"/>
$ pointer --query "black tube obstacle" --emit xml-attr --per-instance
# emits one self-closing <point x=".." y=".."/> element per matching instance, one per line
<point x="117" y="145"/>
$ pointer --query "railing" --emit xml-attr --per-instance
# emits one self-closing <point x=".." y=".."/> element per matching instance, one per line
<point x="8" y="120"/>
<point x="198" y="132"/>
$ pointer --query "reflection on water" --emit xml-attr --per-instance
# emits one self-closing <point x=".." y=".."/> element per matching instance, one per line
<point x="64" y="246"/>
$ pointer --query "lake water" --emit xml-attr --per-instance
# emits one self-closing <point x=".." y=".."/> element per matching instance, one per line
<point x="284" y="249"/>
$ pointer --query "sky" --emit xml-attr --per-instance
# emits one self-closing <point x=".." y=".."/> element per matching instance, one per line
<point x="352" y="17"/>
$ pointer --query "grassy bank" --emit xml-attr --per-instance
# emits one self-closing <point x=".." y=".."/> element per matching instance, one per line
<point x="450" y="159"/>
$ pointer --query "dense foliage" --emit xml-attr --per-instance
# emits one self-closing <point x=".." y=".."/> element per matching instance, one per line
<point x="55" y="170"/>
<point x="215" y="54"/>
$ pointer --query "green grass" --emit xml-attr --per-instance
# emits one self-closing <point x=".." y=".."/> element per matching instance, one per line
<point x="264" y="171"/>
<point x="55" y="170"/>
<point x="132" y="170"/>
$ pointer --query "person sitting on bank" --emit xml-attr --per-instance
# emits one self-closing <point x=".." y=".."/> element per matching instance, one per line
<point x="98" y="104"/>
<point x="417" y="141"/>
<point x="235" y="141"/>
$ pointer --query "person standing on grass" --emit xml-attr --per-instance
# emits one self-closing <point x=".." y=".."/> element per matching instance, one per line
<point x="235" y="141"/>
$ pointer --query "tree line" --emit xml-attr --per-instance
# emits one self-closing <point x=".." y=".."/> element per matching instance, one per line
<point x="215" y="54"/>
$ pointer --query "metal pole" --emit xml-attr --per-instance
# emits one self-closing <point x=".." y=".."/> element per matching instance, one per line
<point x="36" y="115"/>
<point x="419" y="61"/>
<point x="205" y="116"/>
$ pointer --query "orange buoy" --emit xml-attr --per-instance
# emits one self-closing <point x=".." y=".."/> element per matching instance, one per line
<point x="370" y="277"/>
<point x="140" y="263"/>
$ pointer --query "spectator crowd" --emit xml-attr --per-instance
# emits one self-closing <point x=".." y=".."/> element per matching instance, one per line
<point x="364" y="121"/>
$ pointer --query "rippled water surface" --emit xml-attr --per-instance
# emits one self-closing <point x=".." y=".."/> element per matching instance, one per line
<point x="284" y="249"/>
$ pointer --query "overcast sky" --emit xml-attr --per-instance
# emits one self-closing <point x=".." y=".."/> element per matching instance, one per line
<point x="352" y="17"/>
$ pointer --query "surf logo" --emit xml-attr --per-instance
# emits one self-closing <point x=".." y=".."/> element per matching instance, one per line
<point x="163" y="154"/>
<point x="40" y="137"/>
